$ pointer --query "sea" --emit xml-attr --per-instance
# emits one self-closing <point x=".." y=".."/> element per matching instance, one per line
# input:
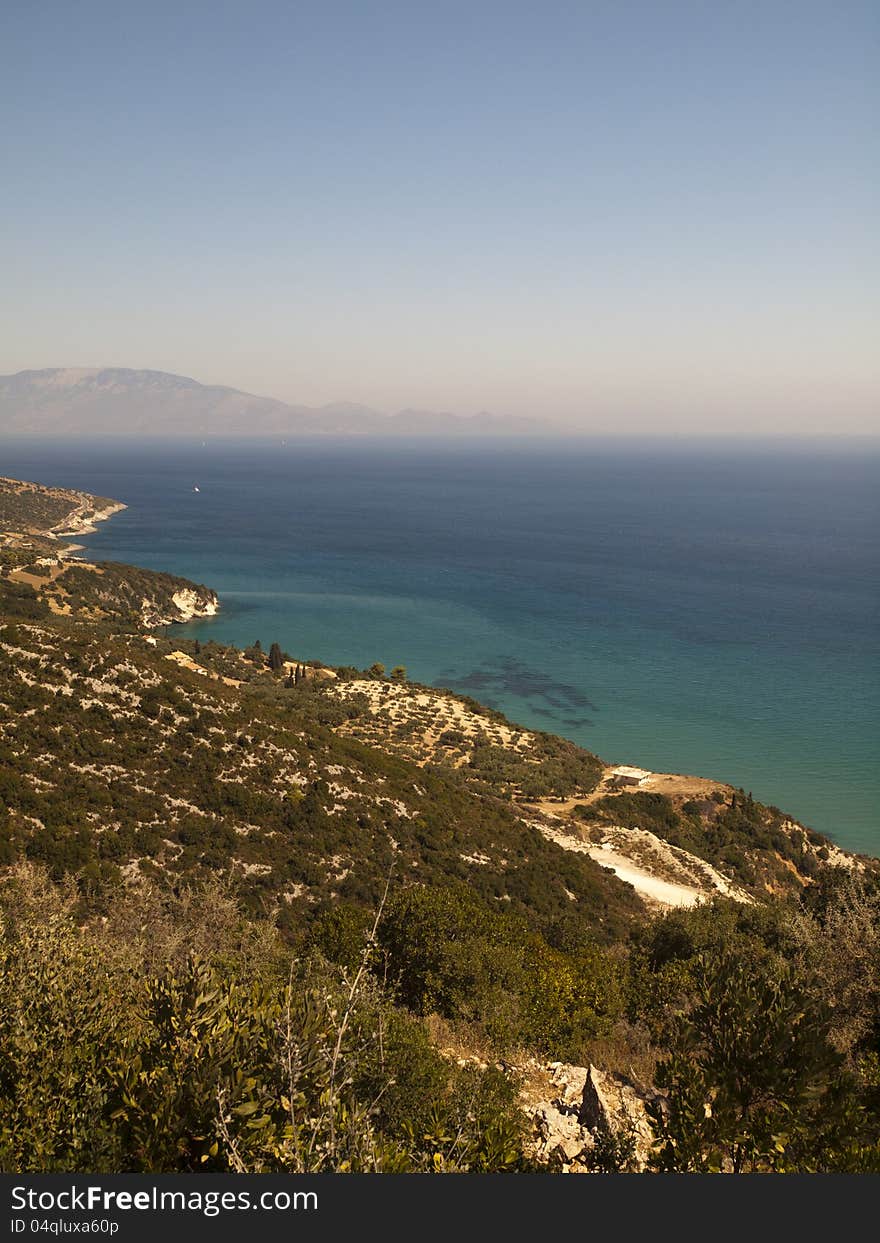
<point x="705" y="607"/>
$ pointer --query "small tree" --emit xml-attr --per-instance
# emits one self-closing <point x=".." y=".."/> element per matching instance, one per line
<point x="276" y="660"/>
<point x="376" y="670"/>
<point x="398" y="673"/>
<point x="752" y="1082"/>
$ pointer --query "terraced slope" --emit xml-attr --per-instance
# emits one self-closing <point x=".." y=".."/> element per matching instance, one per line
<point x="118" y="762"/>
<point x="678" y="839"/>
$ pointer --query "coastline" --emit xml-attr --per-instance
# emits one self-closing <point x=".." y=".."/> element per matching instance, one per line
<point x="84" y="523"/>
<point x="665" y="875"/>
<point x="165" y="599"/>
<point x="186" y="600"/>
<point x="360" y="621"/>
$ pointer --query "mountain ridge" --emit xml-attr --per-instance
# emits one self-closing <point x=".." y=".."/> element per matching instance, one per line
<point x="125" y="401"/>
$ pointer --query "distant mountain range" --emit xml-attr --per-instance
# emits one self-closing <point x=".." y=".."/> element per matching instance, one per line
<point x="119" y="401"/>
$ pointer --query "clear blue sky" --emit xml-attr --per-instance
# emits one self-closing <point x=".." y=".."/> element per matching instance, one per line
<point x="650" y="215"/>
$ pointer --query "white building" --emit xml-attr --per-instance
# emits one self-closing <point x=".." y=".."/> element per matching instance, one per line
<point x="624" y="775"/>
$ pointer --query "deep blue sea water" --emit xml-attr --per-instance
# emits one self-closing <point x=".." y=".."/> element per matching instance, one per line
<point x="693" y="608"/>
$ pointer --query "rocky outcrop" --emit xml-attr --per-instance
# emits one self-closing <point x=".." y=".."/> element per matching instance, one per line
<point x="590" y="1121"/>
<point x="185" y="604"/>
<point x="191" y="604"/>
<point x="83" y="518"/>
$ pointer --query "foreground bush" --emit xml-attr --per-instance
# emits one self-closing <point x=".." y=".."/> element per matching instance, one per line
<point x="753" y="1082"/>
<point x="104" y="1066"/>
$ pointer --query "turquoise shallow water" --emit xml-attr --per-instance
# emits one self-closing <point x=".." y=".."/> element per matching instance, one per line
<point x="705" y="609"/>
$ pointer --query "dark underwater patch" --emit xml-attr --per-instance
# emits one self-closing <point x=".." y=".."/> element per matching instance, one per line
<point x="545" y="695"/>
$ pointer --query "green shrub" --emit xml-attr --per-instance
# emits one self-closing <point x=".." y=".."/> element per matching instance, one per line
<point x="752" y="1082"/>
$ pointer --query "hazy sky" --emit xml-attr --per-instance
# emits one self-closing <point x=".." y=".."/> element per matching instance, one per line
<point x="641" y="215"/>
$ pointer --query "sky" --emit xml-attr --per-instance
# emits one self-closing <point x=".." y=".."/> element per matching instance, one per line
<point x="634" y="216"/>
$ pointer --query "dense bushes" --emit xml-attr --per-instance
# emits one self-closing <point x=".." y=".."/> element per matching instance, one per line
<point x="553" y="766"/>
<point x="765" y="1022"/>
<point x="752" y="1082"/>
<point x="20" y="602"/>
<point x="202" y="1044"/>
<point x="218" y="1065"/>
<point x="446" y="952"/>
<point x="641" y="810"/>
<point x="60" y="1029"/>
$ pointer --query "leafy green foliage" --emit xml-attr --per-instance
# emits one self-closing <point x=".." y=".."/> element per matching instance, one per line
<point x="58" y="1029"/>
<point x="446" y="952"/>
<point x="108" y="1064"/>
<point x="554" y="766"/>
<point x="752" y="1081"/>
<point x="837" y="938"/>
<point x="613" y="1152"/>
<point x="638" y="810"/>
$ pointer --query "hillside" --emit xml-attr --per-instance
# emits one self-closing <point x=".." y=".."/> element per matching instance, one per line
<point x="122" y="401"/>
<point x="41" y="573"/>
<point x="492" y="791"/>
<point x="675" y="838"/>
<point x="244" y="861"/>
<point x="32" y="509"/>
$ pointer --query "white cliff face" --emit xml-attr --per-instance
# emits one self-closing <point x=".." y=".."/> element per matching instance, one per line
<point x="190" y="605"/>
<point x="184" y="605"/>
